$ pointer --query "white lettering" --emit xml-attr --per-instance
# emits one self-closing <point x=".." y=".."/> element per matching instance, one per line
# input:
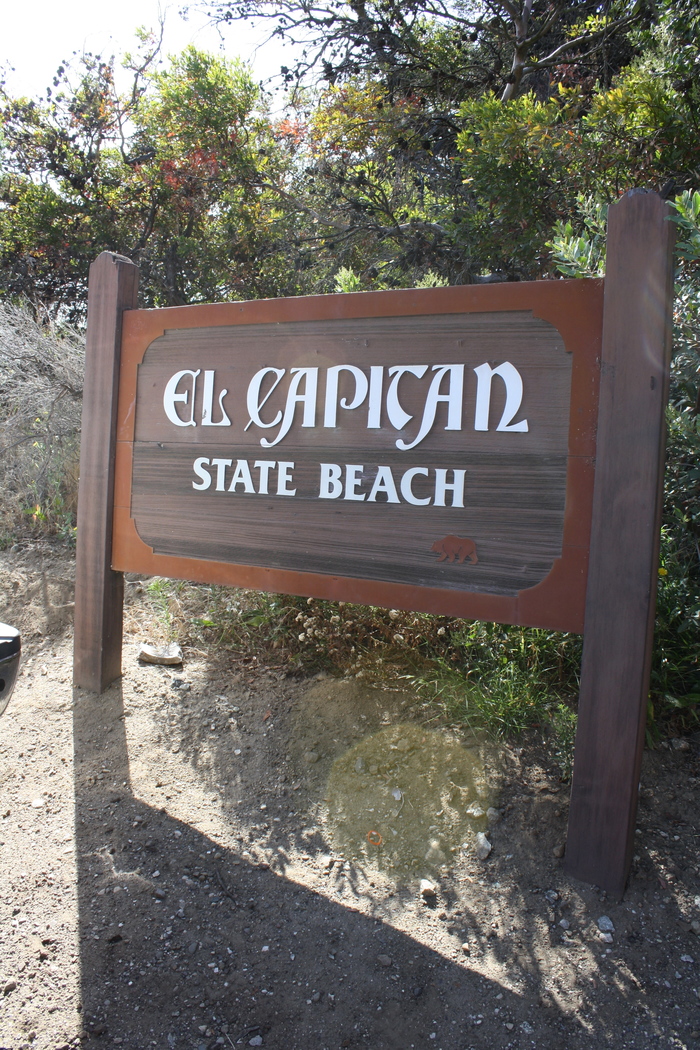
<point x="383" y="401"/>
<point x="442" y="486"/>
<point x="208" y="400"/>
<point x="397" y="416"/>
<point x="332" y="376"/>
<point x="331" y="486"/>
<point x="264" y="466"/>
<point x="352" y="470"/>
<point x="284" y="479"/>
<point x="514" y="397"/>
<point x="407" y="491"/>
<point x="384" y="482"/>
<point x="221" y="465"/>
<point x="253" y="401"/>
<point x="241" y="476"/>
<point x="198" y="467"/>
<point x="376" y="383"/>
<point x="171" y="398"/>
<point x="294" y="398"/>
<point x="453" y="400"/>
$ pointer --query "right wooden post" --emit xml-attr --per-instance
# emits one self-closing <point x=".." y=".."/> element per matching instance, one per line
<point x="623" y="569"/>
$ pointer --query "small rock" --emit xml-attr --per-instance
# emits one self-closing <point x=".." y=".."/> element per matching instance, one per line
<point x="564" y="923"/>
<point x="37" y="803"/>
<point x="159" y="893"/>
<point x="475" y="810"/>
<point x="551" y="896"/>
<point x="695" y="926"/>
<point x="310" y="757"/>
<point x="493" y="815"/>
<point x="166" y="656"/>
<point x="181" y="684"/>
<point x="9" y="987"/>
<point x="360" y="765"/>
<point x="192" y="947"/>
<point x="680" y="744"/>
<point x="427" y="889"/>
<point x="255" y="1041"/>
<point x="483" y="846"/>
<point x="435" y="854"/>
<point x="607" y="938"/>
<point x="687" y="959"/>
<point x="466" y="948"/>
<point x="510" y="1026"/>
<point x="384" y="960"/>
<point x="605" y="924"/>
<point x="559" y="851"/>
<point x="527" y="1028"/>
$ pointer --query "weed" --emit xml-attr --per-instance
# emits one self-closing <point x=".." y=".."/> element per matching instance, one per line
<point x="41" y="370"/>
<point x="563" y="737"/>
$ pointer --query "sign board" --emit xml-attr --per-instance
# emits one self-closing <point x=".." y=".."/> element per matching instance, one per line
<point x="493" y="452"/>
<point x="427" y="449"/>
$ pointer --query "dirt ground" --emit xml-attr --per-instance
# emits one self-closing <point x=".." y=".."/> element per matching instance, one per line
<point x="221" y="855"/>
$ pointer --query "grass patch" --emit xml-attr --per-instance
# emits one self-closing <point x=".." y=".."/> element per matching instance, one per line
<point x="487" y="677"/>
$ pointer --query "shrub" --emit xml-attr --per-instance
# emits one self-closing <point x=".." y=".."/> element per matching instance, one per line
<point x="41" y="386"/>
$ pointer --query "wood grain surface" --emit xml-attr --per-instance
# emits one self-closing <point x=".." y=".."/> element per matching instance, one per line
<point x="622" y="579"/>
<point x="515" y="483"/>
<point x="526" y="495"/>
<point x="99" y="590"/>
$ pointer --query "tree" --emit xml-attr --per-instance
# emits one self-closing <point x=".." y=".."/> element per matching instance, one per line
<point x="173" y="175"/>
<point x="457" y="47"/>
<point x="395" y="200"/>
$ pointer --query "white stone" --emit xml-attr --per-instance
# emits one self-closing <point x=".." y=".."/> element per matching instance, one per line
<point x="483" y="846"/>
<point x="166" y="656"/>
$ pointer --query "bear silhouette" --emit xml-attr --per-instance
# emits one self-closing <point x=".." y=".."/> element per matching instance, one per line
<point x="458" y="547"/>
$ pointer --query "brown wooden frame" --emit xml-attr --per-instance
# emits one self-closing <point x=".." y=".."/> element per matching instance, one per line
<point x="573" y="307"/>
<point x="621" y="593"/>
<point x="613" y="512"/>
<point x="99" y="590"/>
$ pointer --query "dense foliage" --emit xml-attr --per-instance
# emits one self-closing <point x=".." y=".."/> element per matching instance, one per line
<point x="423" y="142"/>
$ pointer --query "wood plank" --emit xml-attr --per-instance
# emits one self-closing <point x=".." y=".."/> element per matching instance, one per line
<point x="541" y="322"/>
<point x="624" y="540"/>
<point x="513" y="511"/>
<point x="534" y="346"/>
<point x="99" y="591"/>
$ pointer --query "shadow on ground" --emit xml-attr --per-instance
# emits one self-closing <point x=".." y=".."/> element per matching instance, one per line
<point x="185" y="943"/>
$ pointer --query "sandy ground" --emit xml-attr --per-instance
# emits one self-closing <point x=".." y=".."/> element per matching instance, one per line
<point x="221" y="855"/>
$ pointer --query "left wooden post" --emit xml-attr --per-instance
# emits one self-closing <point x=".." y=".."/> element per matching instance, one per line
<point x="99" y="591"/>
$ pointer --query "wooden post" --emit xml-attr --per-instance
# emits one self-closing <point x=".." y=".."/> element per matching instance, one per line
<point x="623" y="569"/>
<point x="99" y="592"/>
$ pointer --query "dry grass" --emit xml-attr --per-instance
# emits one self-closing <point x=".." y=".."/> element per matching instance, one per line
<point x="41" y="387"/>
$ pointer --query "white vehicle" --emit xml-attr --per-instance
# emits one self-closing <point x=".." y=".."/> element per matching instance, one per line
<point x="10" y="647"/>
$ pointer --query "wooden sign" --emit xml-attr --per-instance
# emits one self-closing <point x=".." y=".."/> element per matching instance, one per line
<point x="420" y="449"/>
<point x="442" y="450"/>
